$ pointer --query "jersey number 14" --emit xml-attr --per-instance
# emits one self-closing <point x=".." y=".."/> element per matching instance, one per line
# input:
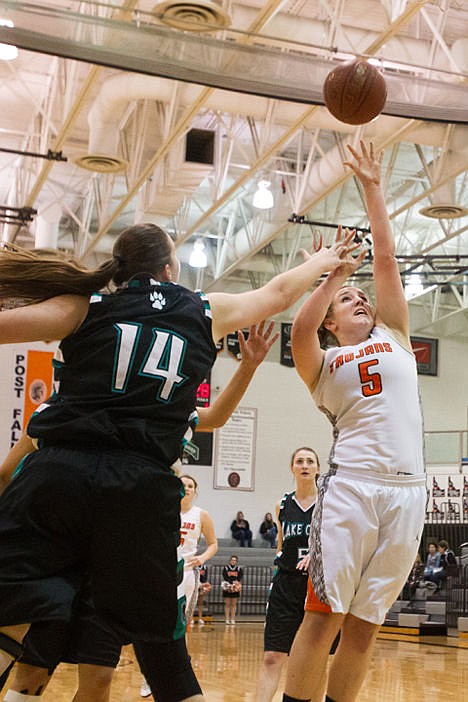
<point x="163" y="359"/>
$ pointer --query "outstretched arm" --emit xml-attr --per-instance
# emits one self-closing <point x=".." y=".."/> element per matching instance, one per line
<point x="253" y="351"/>
<point x="232" y="312"/>
<point x="49" y="320"/>
<point x="308" y="356"/>
<point x="392" y="309"/>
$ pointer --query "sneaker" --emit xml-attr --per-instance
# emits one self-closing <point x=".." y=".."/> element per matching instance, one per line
<point x="201" y="622"/>
<point x="145" y="690"/>
<point x="232" y="621"/>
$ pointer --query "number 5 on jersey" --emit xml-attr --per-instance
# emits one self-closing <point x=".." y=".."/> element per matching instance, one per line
<point x="371" y="381"/>
<point x="162" y="360"/>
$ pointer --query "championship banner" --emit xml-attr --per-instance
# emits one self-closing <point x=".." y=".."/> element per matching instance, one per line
<point x="32" y="385"/>
<point x="286" y="358"/>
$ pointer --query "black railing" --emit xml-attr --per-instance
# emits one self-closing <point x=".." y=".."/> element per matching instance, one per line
<point x="457" y="597"/>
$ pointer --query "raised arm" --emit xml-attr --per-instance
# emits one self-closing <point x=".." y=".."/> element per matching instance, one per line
<point x="305" y="344"/>
<point x="231" y="312"/>
<point x="253" y="351"/>
<point x="392" y="309"/>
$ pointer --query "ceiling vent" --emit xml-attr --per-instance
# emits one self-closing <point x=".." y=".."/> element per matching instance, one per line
<point x="444" y="211"/>
<point x="100" y="163"/>
<point x="197" y="16"/>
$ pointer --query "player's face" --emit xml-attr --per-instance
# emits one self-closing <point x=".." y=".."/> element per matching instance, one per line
<point x="189" y="487"/>
<point x="305" y="464"/>
<point x="351" y="307"/>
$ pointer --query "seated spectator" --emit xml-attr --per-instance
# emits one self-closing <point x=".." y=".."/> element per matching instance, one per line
<point x="448" y="565"/>
<point x="241" y="530"/>
<point x="269" y="530"/>
<point x="432" y="561"/>
<point x="414" y="579"/>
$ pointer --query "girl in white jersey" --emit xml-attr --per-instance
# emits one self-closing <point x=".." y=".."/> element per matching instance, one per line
<point x="369" y="516"/>
<point x="194" y="523"/>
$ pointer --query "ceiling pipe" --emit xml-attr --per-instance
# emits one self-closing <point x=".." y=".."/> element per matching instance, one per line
<point x="107" y="110"/>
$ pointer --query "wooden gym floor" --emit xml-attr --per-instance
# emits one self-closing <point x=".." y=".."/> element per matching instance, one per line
<point x="226" y="660"/>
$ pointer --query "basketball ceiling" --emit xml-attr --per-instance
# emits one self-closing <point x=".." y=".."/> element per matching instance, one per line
<point x="173" y="113"/>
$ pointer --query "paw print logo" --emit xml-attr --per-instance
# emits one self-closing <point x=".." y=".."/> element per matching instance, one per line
<point x="157" y="300"/>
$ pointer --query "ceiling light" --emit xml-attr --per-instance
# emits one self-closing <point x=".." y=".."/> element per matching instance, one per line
<point x="263" y="197"/>
<point x="413" y="286"/>
<point x="8" y="52"/>
<point x="198" y="257"/>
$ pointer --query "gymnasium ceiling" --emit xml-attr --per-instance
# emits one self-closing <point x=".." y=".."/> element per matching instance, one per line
<point x="114" y="89"/>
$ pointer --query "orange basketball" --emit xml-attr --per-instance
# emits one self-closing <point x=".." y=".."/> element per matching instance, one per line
<point x="355" y="92"/>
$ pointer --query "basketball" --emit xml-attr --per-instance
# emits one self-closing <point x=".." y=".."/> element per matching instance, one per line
<point x="355" y="92"/>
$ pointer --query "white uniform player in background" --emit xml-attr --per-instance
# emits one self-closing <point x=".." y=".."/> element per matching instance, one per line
<point x="194" y="523"/>
<point x="369" y="515"/>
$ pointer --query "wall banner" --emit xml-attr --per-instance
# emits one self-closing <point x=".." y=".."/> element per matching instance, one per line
<point x="31" y="385"/>
<point x="235" y="444"/>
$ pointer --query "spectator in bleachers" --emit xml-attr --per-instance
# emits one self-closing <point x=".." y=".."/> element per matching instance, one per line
<point x="432" y="561"/>
<point x="269" y="530"/>
<point x="231" y="586"/>
<point x="448" y="565"/>
<point x="240" y="529"/>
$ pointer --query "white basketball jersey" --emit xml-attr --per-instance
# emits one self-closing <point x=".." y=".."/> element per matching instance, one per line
<point x="370" y="394"/>
<point x="190" y="531"/>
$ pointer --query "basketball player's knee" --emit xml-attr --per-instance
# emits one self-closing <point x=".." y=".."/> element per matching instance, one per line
<point x="359" y="633"/>
<point x="94" y="682"/>
<point x="274" y="659"/>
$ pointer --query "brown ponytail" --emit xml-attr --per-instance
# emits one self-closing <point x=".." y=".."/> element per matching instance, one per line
<point x="34" y="276"/>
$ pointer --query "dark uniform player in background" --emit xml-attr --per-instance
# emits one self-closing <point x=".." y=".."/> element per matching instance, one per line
<point x="288" y="591"/>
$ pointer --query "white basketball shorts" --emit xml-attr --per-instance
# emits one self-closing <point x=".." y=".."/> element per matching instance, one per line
<point x="366" y="529"/>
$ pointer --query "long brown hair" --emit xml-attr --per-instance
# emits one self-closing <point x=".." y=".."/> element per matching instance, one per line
<point x="31" y="276"/>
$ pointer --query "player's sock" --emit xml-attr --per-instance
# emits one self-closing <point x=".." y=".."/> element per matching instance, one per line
<point x="13" y="696"/>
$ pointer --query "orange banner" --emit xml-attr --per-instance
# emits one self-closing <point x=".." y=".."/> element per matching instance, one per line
<point x="39" y="376"/>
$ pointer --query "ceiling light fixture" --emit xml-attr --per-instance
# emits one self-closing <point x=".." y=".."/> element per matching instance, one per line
<point x="8" y="52"/>
<point x="413" y="286"/>
<point x="198" y="258"/>
<point x="263" y="197"/>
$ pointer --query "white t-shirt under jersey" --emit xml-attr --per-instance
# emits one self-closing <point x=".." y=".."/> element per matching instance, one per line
<point x="190" y="531"/>
<point x="370" y="394"/>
